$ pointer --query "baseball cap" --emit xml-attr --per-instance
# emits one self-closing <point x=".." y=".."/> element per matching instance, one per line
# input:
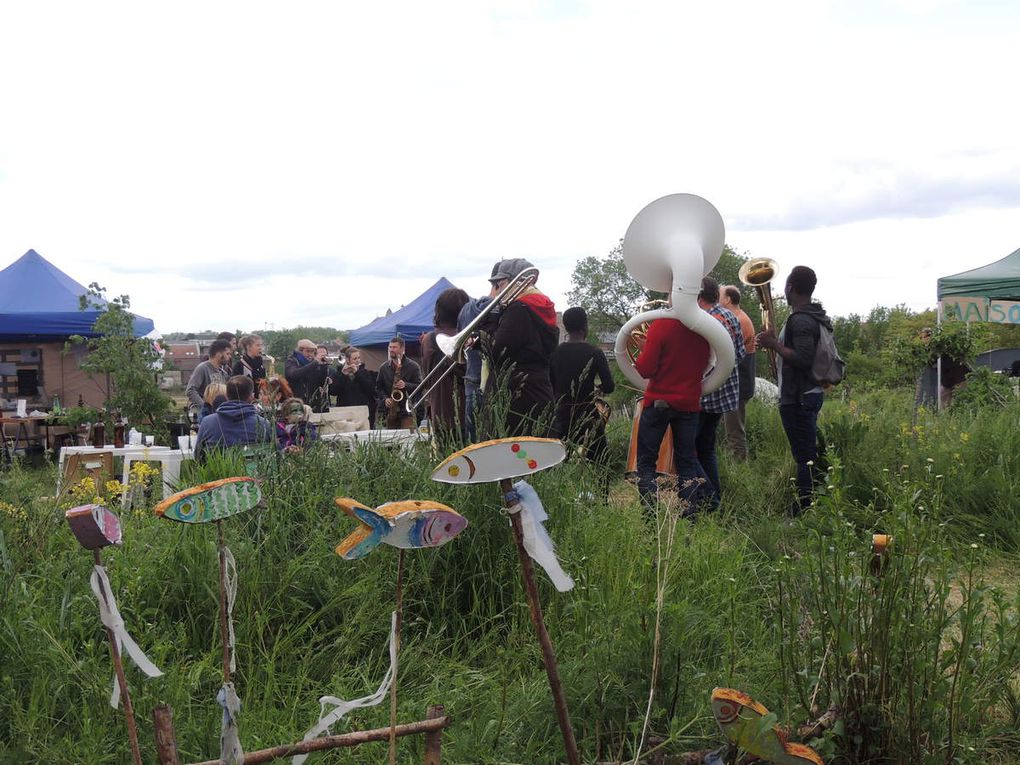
<point x="509" y="268"/>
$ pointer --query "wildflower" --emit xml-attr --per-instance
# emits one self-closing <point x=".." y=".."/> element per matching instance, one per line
<point x="973" y="546"/>
<point x="965" y="437"/>
<point x="939" y="475"/>
<point x="811" y="463"/>
<point x="929" y="460"/>
<point x="13" y="512"/>
<point x="981" y="536"/>
<point x="830" y="487"/>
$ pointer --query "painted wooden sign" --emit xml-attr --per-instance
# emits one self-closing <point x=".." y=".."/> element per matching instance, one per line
<point x="739" y="717"/>
<point x="94" y="526"/>
<point x="408" y="524"/>
<point x="211" y="501"/>
<point x="499" y="459"/>
<point x="980" y="309"/>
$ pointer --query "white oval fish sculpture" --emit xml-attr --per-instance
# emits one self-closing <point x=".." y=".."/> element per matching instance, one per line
<point x="499" y="459"/>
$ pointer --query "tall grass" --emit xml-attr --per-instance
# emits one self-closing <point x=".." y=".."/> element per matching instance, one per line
<point x="310" y="624"/>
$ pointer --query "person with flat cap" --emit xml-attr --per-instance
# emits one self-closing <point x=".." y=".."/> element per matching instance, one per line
<point x="522" y="343"/>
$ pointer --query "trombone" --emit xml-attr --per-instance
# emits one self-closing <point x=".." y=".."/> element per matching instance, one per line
<point x="453" y="346"/>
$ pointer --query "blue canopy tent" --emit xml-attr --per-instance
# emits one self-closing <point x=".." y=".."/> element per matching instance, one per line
<point x="409" y="322"/>
<point x="39" y="310"/>
<point x="39" y="302"/>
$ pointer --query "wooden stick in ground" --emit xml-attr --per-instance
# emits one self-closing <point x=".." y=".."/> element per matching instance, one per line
<point x="548" y="655"/>
<point x="335" y="742"/>
<point x="118" y="666"/>
<point x="166" y="739"/>
<point x="224" y="629"/>
<point x="434" y="739"/>
<point x="396" y="655"/>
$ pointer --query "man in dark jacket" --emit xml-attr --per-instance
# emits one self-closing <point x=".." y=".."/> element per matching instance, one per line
<point x="235" y="422"/>
<point x="400" y="375"/>
<point x="354" y="385"/>
<point x="306" y="370"/>
<point x="522" y="343"/>
<point x="800" y="395"/>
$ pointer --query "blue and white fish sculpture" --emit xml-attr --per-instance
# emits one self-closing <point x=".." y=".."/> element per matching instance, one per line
<point x="408" y="524"/>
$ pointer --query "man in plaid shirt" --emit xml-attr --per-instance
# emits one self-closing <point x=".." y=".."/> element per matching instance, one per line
<point x="724" y="399"/>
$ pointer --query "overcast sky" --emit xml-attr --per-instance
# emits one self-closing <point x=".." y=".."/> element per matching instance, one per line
<point x="252" y="165"/>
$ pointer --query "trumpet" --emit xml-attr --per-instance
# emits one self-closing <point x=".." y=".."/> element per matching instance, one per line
<point x="759" y="273"/>
<point x="453" y="346"/>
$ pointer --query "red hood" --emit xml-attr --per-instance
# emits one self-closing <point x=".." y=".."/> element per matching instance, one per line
<point x="542" y="306"/>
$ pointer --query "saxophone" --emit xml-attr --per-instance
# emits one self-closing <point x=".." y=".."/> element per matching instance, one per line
<point x="394" y="413"/>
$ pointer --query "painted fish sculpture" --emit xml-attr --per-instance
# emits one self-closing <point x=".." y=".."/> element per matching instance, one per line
<point x="211" y="501"/>
<point x="407" y="524"/>
<point x="739" y="716"/>
<point x="94" y="526"/>
<point x="502" y="458"/>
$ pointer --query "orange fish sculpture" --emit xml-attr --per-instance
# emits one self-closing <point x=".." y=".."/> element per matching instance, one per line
<point x="739" y="717"/>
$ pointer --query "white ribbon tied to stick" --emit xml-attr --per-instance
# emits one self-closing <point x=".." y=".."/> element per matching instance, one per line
<point x="109" y="614"/>
<point x="537" y="541"/>
<point x="341" y="707"/>
<point x="230" y="583"/>
<point x="231" y="752"/>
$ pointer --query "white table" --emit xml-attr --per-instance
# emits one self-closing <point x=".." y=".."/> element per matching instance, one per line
<point x="169" y="459"/>
<point x="401" y="439"/>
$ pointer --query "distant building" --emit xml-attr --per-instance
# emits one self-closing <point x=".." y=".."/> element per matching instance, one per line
<point x="185" y="356"/>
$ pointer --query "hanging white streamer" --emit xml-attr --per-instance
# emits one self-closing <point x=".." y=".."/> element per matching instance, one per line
<point x="536" y="539"/>
<point x="231" y="752"/>
<point x="111" y="618"/>
<point x="230" y="575"/>
<point x="342" y="707"/>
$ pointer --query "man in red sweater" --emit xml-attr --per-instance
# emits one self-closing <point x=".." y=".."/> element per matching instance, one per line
<point x="673" y="361"/>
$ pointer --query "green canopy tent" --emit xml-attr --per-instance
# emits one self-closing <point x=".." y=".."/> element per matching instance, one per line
<point x="990" y="293"/>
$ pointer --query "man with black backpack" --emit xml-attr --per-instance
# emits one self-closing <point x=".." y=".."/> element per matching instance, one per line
<point x="809" y="362"/>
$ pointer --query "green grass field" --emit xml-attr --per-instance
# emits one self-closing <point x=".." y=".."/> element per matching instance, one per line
<point x="923" y="659"/>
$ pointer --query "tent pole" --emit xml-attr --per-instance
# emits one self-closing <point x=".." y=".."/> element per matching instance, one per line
<point x="938" y="363"/>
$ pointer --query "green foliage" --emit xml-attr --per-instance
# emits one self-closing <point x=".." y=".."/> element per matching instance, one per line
<point x="603" y="288"/>
<point x="125" y="362"/>
<point x="983" y="388"/>
<point x="913" y="647"/>
<point x="737" y="611"/>
<point x="281" y="343"/>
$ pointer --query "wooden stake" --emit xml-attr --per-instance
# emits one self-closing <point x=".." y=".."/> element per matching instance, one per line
<point x="118" y="666"/>
<point x="548" y="655"/>
<point x="434" y="739"/>
<point x="166" y="739"/>
<point x="396" y="657"/>
<point x="224" y="629"/>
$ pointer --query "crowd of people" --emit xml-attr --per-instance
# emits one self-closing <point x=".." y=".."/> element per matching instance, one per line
<point x="509" y="375"/>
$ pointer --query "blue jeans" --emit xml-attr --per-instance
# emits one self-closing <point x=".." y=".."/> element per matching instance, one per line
<point x="704" y="444"/>
<point x="472" y="401"/>
<point x="800" y="421"/>
<point x="692" y="483"/>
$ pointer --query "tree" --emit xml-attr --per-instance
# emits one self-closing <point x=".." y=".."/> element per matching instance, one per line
<point x="604" y="289"/>
<point x="128" y="363"/>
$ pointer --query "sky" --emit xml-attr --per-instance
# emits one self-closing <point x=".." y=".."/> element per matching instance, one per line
<point x="255" y="165"/>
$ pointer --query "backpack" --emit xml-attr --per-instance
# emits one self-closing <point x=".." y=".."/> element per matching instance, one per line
<point x="827" y="367"/>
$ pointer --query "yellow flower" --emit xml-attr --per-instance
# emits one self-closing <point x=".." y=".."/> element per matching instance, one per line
<point x="13" y="512"/>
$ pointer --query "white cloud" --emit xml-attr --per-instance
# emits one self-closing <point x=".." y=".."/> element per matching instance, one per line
<point x="331" y="159"/>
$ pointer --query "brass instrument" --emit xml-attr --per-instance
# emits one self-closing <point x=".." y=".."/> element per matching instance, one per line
<point x="759" y="273"/>
<point x="639" y="335"/>
<point x="669" y="247"/>
<point x="453" y="346"/>
<point x="394" y="413"/>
